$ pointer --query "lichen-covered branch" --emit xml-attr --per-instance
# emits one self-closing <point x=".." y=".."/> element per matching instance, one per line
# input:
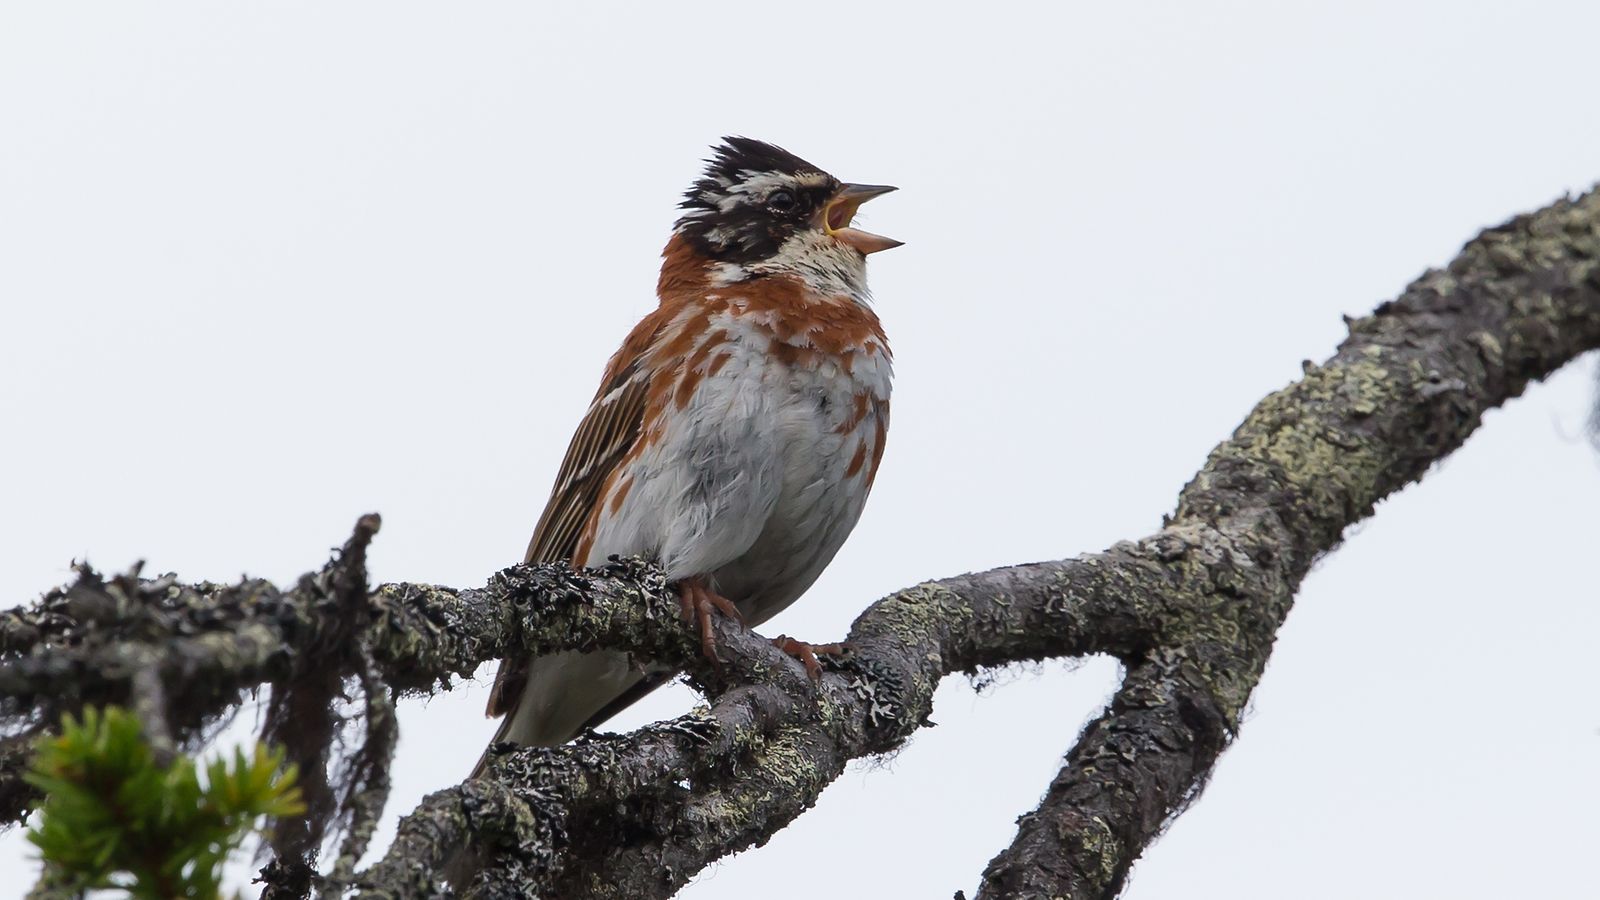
<point x="1407" y="387"/>
<point x="1191" y="611"/>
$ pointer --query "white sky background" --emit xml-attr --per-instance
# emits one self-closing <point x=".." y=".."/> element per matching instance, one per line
<point x="264" y="268"/>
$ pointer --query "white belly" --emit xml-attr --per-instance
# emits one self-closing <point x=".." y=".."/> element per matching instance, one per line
<point x="754" y="484"/>
<point x="816" y="508"/>
<point x="758" y="480"/>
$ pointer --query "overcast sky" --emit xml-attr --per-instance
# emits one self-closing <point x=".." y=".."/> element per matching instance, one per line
<point x="267" y="267"/>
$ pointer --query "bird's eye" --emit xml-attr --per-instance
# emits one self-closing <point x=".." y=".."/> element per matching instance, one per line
<point x="781" y="202"/>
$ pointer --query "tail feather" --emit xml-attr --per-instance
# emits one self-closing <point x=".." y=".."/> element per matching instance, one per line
<point x="563" y="694"/>
<point x="483" y="758"/>
<point x="566" y="693"/>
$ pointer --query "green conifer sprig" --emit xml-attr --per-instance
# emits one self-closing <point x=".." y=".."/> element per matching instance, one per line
<point x="117" y="816"/>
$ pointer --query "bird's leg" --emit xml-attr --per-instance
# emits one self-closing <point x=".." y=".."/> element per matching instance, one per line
<point x="697" y="601"/>
<point x="807" y="653"/>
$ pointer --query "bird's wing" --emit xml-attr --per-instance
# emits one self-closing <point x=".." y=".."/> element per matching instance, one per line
<point x="603" y="439"/>
<point x="607" y="432"/>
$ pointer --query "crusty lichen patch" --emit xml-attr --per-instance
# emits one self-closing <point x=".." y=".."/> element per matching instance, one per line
<point x="1191" y="612"/>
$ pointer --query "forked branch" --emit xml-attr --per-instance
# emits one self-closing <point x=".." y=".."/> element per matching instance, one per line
<point x="1191" y="611"/>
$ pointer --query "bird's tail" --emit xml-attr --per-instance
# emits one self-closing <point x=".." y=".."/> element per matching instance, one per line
<point x="564" y="694"/>
<point x="499" y="737"/>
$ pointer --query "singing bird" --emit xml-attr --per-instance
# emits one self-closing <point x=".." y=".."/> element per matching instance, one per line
<point x="736" y="433"/>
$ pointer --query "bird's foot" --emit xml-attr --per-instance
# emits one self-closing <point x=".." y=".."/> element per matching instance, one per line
<point x="807" y="653"/>
<point x="698" y="601"/>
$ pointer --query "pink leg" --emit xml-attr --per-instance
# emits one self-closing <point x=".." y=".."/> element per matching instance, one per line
<point x="698" y="601"/>
<point x="807" y="653"/>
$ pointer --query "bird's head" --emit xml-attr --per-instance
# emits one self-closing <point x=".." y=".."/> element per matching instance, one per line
<point x="759" y="209"/>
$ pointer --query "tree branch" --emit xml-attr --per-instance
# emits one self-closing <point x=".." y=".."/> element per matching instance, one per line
<point x="1406" y="388"/>
<point x="1191" y="611"/>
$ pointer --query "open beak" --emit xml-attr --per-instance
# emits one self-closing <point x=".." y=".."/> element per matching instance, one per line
<point x="836" y="216"/>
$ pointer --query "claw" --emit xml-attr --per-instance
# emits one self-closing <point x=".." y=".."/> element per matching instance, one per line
<point x="725" y="606"/>
<point x="807" y="653"/>
<point x="697" y="601"/>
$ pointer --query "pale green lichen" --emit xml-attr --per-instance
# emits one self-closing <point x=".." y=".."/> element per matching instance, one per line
<point x="779" y="773"/>
<point x="1098" y="853"/>
<point x="914" y="614"/>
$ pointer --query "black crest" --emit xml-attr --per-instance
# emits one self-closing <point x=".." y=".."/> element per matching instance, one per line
<point x="740" y="157"/>
<point x="727" y="220"/>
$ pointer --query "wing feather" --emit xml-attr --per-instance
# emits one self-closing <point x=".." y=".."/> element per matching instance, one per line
<point x="608" y="431"/>
<point x="606" y="435"/>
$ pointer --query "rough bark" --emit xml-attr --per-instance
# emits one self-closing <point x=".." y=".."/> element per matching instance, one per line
<point x="1191" y="612"/>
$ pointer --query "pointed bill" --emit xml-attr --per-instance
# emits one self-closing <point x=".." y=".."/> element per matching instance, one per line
<point x="842" y="208"/>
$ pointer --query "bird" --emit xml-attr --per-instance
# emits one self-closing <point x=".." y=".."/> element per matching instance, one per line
<point x="735" y="434"/>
